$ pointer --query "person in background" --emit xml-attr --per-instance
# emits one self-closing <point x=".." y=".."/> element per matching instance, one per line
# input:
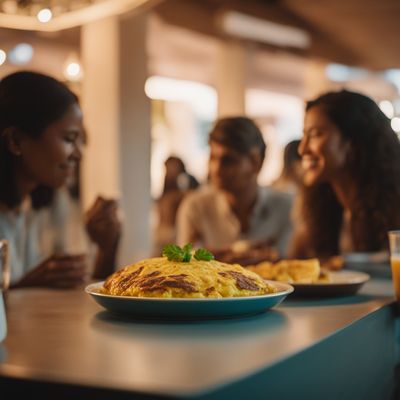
<point x="233" y="216"/>
<point x="177" y="183"/>
<point x="176" y="176"/>
<point x="351" y="161"/>
<point x="40" y="145"/>
<point x="290" y="178"/>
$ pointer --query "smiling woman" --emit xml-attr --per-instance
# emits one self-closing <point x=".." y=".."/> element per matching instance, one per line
<point x="40" y="145"/>
<point x="351" y="162"/>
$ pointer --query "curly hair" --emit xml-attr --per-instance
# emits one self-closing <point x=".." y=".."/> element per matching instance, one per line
<point x="374" y="165"/>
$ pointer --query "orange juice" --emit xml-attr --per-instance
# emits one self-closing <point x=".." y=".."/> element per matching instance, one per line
<point x="395" y="263"/>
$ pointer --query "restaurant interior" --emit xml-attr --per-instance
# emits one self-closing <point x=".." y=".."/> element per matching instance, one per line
<point x="152" y="77"/>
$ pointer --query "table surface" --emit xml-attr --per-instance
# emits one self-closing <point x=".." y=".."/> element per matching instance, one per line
<point x="63" y="336"/>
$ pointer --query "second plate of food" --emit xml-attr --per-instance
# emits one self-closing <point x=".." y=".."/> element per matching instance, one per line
<point x="341" y="283"/>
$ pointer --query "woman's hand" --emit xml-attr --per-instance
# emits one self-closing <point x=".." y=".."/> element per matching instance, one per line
<point x="61" y="271"/>
<point x="103" y="224"/>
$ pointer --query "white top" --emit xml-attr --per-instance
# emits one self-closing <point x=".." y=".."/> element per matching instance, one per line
<point x="205" y="214"/>
<point x="34" y="235"/>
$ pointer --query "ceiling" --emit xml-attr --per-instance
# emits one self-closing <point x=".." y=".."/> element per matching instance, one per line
<point x="354" y="32"/>
<point x="65" y="14"/>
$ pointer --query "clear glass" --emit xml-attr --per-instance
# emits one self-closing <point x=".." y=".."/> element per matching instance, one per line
<point x="4" y="285"/>
<point x="4" y="266"/>
<point x="394" y="244"/>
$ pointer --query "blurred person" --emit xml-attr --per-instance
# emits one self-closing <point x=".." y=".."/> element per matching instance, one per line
<point x="177" y="183"/>
<point x="40" y="145"/>
<point x="291" y="176"/>
<point x="176" y="176"/>
<point x="233" y="216"/>
<point x="351" y="161"/>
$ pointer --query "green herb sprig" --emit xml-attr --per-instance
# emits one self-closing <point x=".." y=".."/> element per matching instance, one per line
<point x="176" y="253"/>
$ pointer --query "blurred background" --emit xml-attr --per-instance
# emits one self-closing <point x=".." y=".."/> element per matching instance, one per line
<point x="153" y="75"/>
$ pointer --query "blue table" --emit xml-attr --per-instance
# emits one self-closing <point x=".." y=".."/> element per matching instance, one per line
<point x="62" y="343"/>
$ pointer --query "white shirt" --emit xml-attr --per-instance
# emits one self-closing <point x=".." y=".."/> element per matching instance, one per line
<point x="34" y="235"/>
<point x="206" y="215"/>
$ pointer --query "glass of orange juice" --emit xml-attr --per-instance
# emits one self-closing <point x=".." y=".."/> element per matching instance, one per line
<point x="394" y="244"/>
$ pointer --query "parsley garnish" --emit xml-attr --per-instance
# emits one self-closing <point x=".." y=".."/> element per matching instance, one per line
<point x="173" y="252"/>
<point x="203" y="255"/>
<point x="176" y="253"/>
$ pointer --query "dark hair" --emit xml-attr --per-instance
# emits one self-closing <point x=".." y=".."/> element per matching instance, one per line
<point x="190" y="182"/>
<point x="374" y="165"/>
<point x="29" y="102"/>
<point x="290" y="156"/>
<point x="240" y="134"/>
<point x="177" y="161"/>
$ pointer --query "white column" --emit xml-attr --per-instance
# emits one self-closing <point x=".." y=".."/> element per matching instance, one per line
<point x="117" y="117"/>
<point x="231" y="79"/>
<point x="100" y="102"/>
<point x="135" y="125"/>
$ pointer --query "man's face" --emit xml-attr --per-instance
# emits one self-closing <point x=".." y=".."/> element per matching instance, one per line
<point x="232" y="171"/>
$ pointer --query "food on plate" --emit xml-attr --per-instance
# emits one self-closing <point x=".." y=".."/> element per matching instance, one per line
<point x="292" y="271"/>
<point x="182" y="274"/>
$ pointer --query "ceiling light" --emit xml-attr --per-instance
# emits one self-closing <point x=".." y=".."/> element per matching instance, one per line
<point x="393" y="76"/>
<point x="3" y="57"/>
<point x="21" y="54"/>
<point x="343" y="73"/>
<point x="248" y="27"/>
<point x="201" y="97"/>
<point x="387" y="108"/>
<point x="73" y="71"/>
<point x="396" y="124"/>
<point x="72" y="68"/>
<point x="44" y="15"/>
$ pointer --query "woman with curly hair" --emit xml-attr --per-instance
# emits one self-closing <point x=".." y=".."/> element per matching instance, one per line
<point x="351" y="162"/>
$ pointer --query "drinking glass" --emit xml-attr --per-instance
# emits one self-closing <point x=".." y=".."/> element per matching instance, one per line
<point x="4" y="285"/>
<point x="394" y="244"/>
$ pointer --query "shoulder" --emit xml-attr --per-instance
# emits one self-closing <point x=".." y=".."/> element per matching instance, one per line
<point x="198" y="202"/>
<point x="202" y="195"/>
<point x="276" y="198"/>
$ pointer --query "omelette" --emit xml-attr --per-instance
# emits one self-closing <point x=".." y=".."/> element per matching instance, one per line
<point x="163" y="278"/>
<point x="292" y="271"/>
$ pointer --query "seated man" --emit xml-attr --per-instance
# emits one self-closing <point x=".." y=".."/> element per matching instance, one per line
<point x="233" y="214"/>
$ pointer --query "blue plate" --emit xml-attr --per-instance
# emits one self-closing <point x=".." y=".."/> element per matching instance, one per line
<point x="203" y="308"/>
